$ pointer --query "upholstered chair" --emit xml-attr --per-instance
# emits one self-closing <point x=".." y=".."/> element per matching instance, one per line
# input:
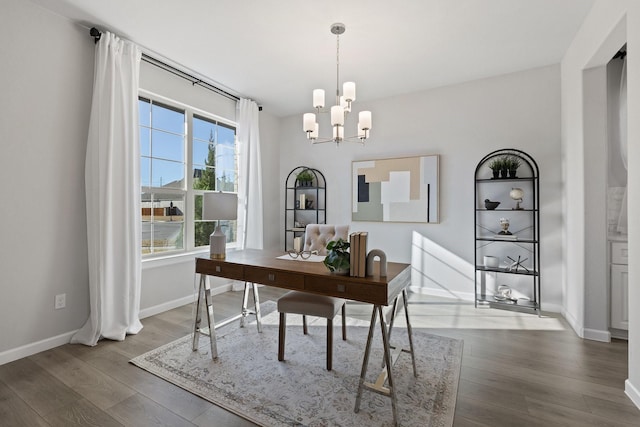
<point x="316" y="237"/>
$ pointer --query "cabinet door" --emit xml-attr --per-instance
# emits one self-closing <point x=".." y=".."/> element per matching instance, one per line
<point x="620" y="296"/>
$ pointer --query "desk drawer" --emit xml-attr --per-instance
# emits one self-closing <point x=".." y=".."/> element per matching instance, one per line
<point x="280" y="279"/>
<point x="220" y="269"/>
<point x="345" y="289"/>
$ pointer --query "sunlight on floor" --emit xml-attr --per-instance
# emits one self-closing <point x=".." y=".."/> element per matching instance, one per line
<point x="442" y="313"/>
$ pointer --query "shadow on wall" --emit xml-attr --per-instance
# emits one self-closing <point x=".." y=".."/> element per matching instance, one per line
<point x="437" y="271"/>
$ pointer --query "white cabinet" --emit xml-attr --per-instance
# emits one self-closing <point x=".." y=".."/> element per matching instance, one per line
<point x="619" y="286"/>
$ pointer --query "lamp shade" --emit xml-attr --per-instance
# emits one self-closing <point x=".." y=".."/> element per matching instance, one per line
<point x="219" y="206"/>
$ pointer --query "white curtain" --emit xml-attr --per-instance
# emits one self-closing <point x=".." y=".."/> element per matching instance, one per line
<point x="249" y="177"/>
<point x="112" y="185"/>
<point x="622" y="115"/>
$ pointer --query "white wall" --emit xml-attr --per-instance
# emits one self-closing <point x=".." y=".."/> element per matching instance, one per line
<point x="608" y="26"/>
<point x="461" y="123"/>
<point x="46" y="83"/>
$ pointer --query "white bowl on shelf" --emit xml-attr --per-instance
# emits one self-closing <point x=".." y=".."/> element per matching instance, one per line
<point x="491" y="261"/>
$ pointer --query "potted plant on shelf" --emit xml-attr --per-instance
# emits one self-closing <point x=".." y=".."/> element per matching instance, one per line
<point x="305" y="178"/>
<point x="495" y="165"/>
<point x="337" y="259"/>
<point x="513" y="165"/>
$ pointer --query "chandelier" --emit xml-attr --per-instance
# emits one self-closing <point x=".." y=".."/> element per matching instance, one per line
<point x="340" y="110"/>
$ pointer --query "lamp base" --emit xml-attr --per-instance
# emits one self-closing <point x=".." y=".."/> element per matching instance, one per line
<point x="217" y="244"/>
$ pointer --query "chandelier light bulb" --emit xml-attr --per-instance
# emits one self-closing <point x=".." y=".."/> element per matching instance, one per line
<point x="349" y="91"/>
<point x="309" y="122"/>
<point x="365" y="119"/>
<point x="337" y="115"/>
<point x="318" y="98"/>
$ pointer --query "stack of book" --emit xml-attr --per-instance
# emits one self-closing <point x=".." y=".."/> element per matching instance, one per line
<point x="358" y="254"/>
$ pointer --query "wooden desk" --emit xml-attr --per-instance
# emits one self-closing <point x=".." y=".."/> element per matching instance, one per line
<point x="263" y="266"/>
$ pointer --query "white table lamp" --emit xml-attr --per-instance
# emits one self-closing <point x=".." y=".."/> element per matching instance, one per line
<point x="219" y="206"/>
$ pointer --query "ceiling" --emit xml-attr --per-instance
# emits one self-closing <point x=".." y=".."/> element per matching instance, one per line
<point x="277" y="51"/>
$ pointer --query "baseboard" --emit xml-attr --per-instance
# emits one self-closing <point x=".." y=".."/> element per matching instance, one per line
<point x="632" y="392"/>
<point x="597" y="335"/>
<point x="36" y="347"/>
<point x="49" y="343"/>
<point x="170" y="305"/>
<point x="573" y="322"/>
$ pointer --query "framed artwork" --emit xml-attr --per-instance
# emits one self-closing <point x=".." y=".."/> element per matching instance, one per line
<point x="403" y="189"/>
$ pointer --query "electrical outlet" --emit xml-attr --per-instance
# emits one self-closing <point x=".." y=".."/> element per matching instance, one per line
<point x="61" y="301"/>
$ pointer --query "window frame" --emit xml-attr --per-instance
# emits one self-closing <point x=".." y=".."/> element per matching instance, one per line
<point x="188" y="192"/>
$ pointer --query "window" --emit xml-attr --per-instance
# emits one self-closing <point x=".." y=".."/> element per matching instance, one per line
<point x="182" y="155"/>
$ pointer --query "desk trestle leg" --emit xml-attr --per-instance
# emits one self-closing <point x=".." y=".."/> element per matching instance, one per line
<point x="204" y="292"/>
<point x="389" y="358"/>
<point x="256" y="302"/>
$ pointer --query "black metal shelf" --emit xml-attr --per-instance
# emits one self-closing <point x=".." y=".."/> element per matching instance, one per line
<point x="498" y="189"/>
<point x="505" y="210"/>
<point x="493" y="239"/>
<point x="507" y="271"/>
<point x="528" y="178"/>
<point x="296" y="215"/>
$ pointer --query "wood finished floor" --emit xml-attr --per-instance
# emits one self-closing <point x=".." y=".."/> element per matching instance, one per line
<point x="518" y="370"/>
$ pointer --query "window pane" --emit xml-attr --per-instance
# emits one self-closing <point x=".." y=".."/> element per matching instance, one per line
<point x="167" y="119"/>
<point x="144" y="110"/>
<point x="204" y="130"/>
<point x="145" y="141"/>
<point x="204" y="179"/>
<point x="202" y="231"/>
<point x="167" y="174"/>
<point x="145" y="171"/>
<point x="167" y="236"/>
<point x="167" y="146"/>
<point x="203" y="153"/>
<point x="226" y="135"/>
<point x="226" y="181"/>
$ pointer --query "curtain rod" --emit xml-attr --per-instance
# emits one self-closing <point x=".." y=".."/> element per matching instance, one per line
<point x="96" y="34"/>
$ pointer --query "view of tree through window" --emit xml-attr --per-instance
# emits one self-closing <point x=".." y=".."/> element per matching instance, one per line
<point x="167" y="194"/>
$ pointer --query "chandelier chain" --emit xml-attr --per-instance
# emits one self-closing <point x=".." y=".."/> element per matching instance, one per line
<point x="338" y="69"/>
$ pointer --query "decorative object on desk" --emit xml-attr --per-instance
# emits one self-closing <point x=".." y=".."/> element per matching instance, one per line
<point x="504" y="224"/>
<point x="302" y="254"/>
<point x="358" y="252"/>
<point x="395" y="190"/>
<point x="515" y="265"/>
<point x="491" y="261"/>
<point x="490" y="205"/>
<point x="306" y="393"/>
<point x="297" y="243"/>
<point x="339" y="111"/>
<point x="337" y="260"/>
<point x="219" y="206"/>
<point x="382" y="258"/>
<point x="517" y="194"/>
<point x="304" y="178"/>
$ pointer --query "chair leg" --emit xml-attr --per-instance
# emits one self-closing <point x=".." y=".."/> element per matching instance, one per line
<point x="344" y="322"/>
<point x="329" y="343"/>
<point x="281" y="336"/>
<point x="304" y="324"/>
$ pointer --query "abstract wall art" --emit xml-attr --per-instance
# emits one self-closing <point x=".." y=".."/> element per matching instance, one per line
<point x="403" y="189"/>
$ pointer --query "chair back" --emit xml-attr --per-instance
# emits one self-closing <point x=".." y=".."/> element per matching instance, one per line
<point x="316" y="236"/>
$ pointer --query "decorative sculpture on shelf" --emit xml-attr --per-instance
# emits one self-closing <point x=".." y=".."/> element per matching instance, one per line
<point x="517" y="194"/>
<point x="504" y="223"/>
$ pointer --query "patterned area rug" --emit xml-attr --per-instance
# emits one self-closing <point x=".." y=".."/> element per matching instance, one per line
<point x="247" y="378"/>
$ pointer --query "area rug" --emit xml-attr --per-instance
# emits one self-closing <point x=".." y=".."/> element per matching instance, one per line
<point x="248" y="380"/>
